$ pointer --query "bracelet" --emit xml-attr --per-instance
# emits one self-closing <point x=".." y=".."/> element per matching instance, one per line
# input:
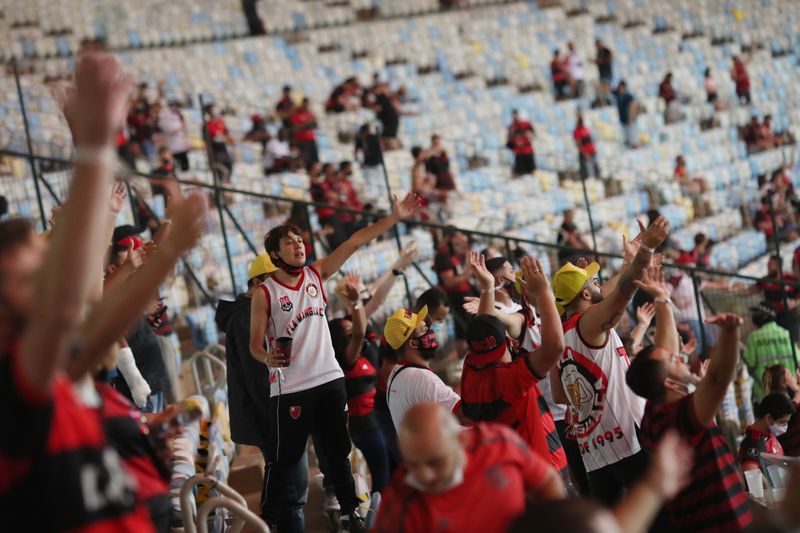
<point x="486" y="291"/>
<point x="356" y="306"/>
<point x="103" y="156"/>
<point x="397" y="272"/>
<point x="647" y="248"/>
<point x="663" y="300"/>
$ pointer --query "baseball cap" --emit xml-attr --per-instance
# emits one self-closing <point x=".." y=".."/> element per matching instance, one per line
<point x="401" y="325"/>
<point x="261" y="265"/>
<point x="486" y="337"/>
<point x="569" y="281"/>
<point x="125" y="234"/>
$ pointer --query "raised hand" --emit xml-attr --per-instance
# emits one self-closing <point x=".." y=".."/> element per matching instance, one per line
<point x="645" y="313"/>
<point x="653" y="283"/>
<point x="477" y="264"/>
<point x="656" y="233"/>
<point x="702" y="370"/>
<point x="727" y="321"/>
<point x="351" y="287"/>
<point x="631" y="248"/>
<point x="407" y="256"/>
<point x="118" y="195"/>
<point x="534" y="279"/>
<point x="471" y="304"/>
<point x="582" y="262"/>
<point x="188" y="216"/>
<point x="406" y="207"/>
<point x="670" y="466"/>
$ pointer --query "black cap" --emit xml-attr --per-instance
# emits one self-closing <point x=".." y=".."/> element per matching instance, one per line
<point x="125" y="231"/>
<point x="486" y="337"/>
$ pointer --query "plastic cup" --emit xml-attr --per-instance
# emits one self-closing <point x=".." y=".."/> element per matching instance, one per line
<point x="283" y="345"/>
<point x="755" y="483"/>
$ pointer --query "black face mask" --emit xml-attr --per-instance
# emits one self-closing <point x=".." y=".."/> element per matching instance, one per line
<point x="427" y="345"/>
<point x="286" y="267"/>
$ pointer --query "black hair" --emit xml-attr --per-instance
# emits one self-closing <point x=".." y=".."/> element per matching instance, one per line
<point x="700" y="238"/>
<point x="646" y="376"/>
<point x="433" y="298"/>
<point x="496" y="263"/>
<point x="14" y="232"/>
<point x="3" y="205"/>
<point x="256" y="281"/>
<point x="415" y="151"/>
<point x="272" y="240"/>
<point x="339" y="338"/>
<point x="776" y="373"/>
<point x="776" y="405"/>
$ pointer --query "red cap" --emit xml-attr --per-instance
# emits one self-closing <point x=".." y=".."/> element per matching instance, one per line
<point x="685" y="259"/>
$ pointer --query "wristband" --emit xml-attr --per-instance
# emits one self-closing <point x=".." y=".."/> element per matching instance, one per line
<point x="103" y="156"/>
<point x="397" y="272"/>
<point x="663" y="301"/>
<point x="485" y="291"/>
<point x="647" y="248"/>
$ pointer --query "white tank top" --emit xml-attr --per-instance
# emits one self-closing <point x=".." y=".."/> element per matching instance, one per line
<point x="604" y="412"/>
<point x="299" y="312"/>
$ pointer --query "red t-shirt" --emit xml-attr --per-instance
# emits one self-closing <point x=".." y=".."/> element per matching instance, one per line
<point x="741" y="78"/>
<point x="58" y="473"/>
<point x="299" y="118"/>
<point x="217" y="131"/>
<point x="558" y="70"/>
<point x="715" y="500"/>
<point x="500" y="469"/>
<point x="508" y="394"/>
<point x="520" y="142"/>
<point x="583" y="137"/>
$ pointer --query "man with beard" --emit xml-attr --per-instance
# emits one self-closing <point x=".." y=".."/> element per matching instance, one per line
<point x="307" y="392"/>
<point x="476" y="479"/>
<point x="604" y="413"/>
<point x="411" y="381"/>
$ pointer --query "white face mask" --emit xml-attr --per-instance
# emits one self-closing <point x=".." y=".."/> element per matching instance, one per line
<point x="778" y="429"/>
<point x="456" y="480"/>
<point x="690" y="388"/>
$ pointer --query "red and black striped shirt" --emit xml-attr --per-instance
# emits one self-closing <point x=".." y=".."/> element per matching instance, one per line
<point x="715" y="499"/>
<point x="58" y="473"/>
<point x="508" y="394"/>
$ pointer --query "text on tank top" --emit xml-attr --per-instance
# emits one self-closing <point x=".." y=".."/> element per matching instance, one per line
<point x="604" y="413"/>
<point x="299" y="312"/>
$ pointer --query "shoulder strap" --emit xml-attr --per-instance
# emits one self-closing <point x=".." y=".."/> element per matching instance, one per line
<point x="402" y="367"/>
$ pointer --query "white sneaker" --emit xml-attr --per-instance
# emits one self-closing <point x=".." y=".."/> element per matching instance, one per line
<point x="331" y="502"/>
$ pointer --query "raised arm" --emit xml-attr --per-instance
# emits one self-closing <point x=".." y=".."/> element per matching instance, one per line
<point x="600" y="318"/>
<point x="485" y="281"/>
<point x="712" y="389"/>
<point x="538" y="290"/>
<point x="353" y="297"/>
<point x="327" y="266"/>
<point x="383" y="285"/>
<point x="630" y="249"/>
<point x="669" y="472"/>
<point x="118" y="310"/>
<point x="667" y="337"/>
<point x="94" y="110"/>
<point x="644" y="317"/>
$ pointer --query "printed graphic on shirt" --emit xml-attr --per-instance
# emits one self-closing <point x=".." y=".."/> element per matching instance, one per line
<point x="586" y="386"/>
<point x="294" y="411"/>
<point x="285" y="303"/>
<point x="312" y="290"/>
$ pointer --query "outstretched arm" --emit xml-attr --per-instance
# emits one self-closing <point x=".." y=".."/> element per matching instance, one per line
<point x="667" y="337"/>
<point x="327" y="266"/>
<point x="712" y="389"/>
<point x="599" y="319"/>
<point x="383" y="285"/>
<point x="94" y="110"/>
<point x="353" y="349"/>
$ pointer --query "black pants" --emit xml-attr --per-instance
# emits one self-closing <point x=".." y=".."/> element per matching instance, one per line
<point x="183" y="160"/>
<point x="524" y="164"/>
<point x="609" y="483"/>
<point x="574" y="459"/>
<point x="308" y="152"/>
<point x="294" y="416"/>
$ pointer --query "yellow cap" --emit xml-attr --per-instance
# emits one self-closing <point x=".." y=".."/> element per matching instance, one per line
<point x="261" y="265"/>
<point x="569" y="281"/>
<point x="401" y="325"/>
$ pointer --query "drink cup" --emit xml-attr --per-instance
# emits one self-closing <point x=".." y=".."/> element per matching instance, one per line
<point x="283" y="345"/>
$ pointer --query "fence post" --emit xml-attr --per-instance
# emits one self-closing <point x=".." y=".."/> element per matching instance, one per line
<point x="31" y="160"/>
<point x="589" y="212"/>
<point x="218" y="199"/>
<point x="698" y="303"/>
<point x="395" y="231"/>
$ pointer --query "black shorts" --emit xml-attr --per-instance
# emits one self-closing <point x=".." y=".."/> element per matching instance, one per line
<point x="524" y="164"/>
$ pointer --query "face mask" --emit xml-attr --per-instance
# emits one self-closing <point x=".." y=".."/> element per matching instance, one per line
<point x="427" y="345"/>
<point x="456" y="480"/>
<point x="437" y="328"/>
<point x="778" y="429"/>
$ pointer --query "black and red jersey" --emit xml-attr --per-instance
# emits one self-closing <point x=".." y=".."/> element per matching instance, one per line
<point x="715" y="499"/>
<point x="518" y="139"/>
<point x="583" y="137"/>
<point x="58" y="471"/>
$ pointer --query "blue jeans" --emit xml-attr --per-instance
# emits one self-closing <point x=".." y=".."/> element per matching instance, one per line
<point x="390" y="438"/>
<point x="373" y="446"/>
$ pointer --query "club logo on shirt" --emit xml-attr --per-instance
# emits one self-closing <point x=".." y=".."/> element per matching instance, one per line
<point x="312" y="290"/>
<point x="286" y="303"/>
<point x="586" y="386"/>
<point x="495" y="478"/>
<point x="294" y="411"/>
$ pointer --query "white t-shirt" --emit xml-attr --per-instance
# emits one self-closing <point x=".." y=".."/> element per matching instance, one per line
<point x="575" y="66"/>
<point x="416" y="385"/>
<point x="299" y="312"/>
<point x="604" y="412"/>
<point x="172" y="130"/>
<point x="275" y="150"/>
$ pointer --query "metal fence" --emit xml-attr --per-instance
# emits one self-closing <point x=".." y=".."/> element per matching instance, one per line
<point x="35" y="183"/>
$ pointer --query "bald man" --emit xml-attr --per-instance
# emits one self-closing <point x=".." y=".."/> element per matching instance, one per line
<point x="462" y="479"/>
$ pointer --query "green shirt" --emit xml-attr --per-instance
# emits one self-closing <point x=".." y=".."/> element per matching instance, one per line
<point x="767" y="346"/>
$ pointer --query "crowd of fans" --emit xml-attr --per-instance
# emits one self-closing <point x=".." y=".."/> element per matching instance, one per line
<point x="581" y="404"/>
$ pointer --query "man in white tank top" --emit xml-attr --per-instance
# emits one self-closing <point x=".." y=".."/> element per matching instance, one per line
<point x="307" y="390"/>
<point x="604" y="413"/>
